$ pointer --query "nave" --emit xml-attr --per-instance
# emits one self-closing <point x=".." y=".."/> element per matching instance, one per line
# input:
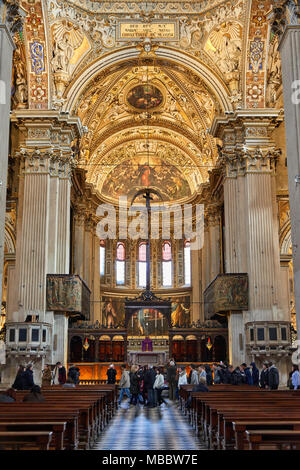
<point x="141" y="428"/>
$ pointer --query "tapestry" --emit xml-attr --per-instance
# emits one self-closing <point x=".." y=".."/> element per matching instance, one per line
<point x="227" y="292"/>
<point x="67" y="293"/>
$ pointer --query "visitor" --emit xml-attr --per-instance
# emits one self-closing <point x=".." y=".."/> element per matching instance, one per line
<point x="182" y="378"/>
<point x="59" y="374"/>
<point x="69" y="383"/>
<point x="141" y="377"/>
<point x="28" y="382"/>
<point x="255" y="374"/>
<point x="74" y="374"/>
<point x="124" y="384"/>
<point x="47" y="376"/>
<point x="19" y="380"/>
<point x="264" y="376"/>
<point x="273" y="377"/>
<point x="194" y="375"/>
<point x="134" y="384"/>
<point x="111" y="374"/>
<point x="200" y="387"/>
<point x="9" y="396"/>
<point x="149" y="379"/>
<point x="171" y="379"/>
<point x="296" y="377"/>
<point x="209" y="376"/>
<point x="201" y="372"/>
<point x="246" y="374"/>
<point x="35" y="395"/>
<point x="159" y="386"/>
<point x="217" y="374"/>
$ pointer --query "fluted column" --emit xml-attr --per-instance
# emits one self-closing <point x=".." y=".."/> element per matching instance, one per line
<point x="289" y="47"/>
<point x="79" y="232"/>
<point x="7" y="47"/>
<point x="96" y="279"/>
<point x="196" y="284"/>
<point x="214" y="241"/>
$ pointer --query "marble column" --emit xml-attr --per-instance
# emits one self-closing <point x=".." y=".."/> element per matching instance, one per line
<point x="290" y="58"/>
<point x="196" y="285"/>
<point x="6" y="48"/>
<point x="96" y="279"/>
<point x="214" y="242"/>
<point x="251" y="225"/>
<point x="79" y="232"/>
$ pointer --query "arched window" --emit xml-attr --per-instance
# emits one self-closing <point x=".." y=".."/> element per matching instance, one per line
<point x="142" y="264"/>
<point x="187" y="263"/>
<point x="102" y="257"/>
<point x="120" y="263"/>
<point x="167" y="264"/>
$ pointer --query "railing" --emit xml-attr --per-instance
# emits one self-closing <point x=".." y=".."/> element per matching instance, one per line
<point x="94" y="382"/>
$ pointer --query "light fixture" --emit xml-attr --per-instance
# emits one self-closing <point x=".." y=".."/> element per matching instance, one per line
<point x="86" y="345"/>
<point x="209" y="344"/>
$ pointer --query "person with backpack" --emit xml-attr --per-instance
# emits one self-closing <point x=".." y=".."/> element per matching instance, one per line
<point x="273" y="377"/>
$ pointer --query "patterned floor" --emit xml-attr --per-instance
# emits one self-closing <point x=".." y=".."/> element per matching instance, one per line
<point x="137" y="427"/>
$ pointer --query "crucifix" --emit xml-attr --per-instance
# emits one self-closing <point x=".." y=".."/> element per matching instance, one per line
<point x="147" y="196"/>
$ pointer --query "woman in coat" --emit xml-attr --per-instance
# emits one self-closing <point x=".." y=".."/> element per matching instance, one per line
<point x="28" y="378"/>
<point x="159" y="385"/>
<point x="47" y="376"/>
<point x="19" y="380"/>
<point x="255" y="374"/>
<point x="135" y="389"/>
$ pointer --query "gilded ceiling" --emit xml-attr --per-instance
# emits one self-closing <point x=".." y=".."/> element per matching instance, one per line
<point x="147" y="80"/>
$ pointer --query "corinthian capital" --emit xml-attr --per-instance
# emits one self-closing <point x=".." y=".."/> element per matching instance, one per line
<point x="283" y="13"/>
<point x="251" y="161"/>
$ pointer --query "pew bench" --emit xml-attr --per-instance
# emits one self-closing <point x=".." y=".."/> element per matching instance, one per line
<point x="278" y="439"/>
<point x="25" y="439"/>
<point x="57" y="428"/>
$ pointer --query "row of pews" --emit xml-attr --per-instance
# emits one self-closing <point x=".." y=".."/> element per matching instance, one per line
<point x="243" y="417"/>
<point x="69" y="419"/>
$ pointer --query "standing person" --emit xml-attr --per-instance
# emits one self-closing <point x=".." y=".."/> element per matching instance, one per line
<point x="59" y="375"/>
<point x="47" y="376"/>
<point x="264" y="376"/>
<point x="159" y="385"/>
<point x="273" y="377"/>
<point x="28" y="377"/>
<point x="124" y="383"/>
<point x="201" y="372"/>
<point x="74" y="374"/>
<point x="217" y="374"/>
<point x="255" y="374"/>
<point x="149" y="379"/>
<point x="209" y="376"/>
<point x="246" y="370"/>
<point x="182" y="378"/>
<point x="296" y="377"/>
<point x="111" y="374"/>
<point x="19" y="380"/>
<point x="171" y="379"/>
<point x="194" y="375"/>
<point x="134" y="384"/>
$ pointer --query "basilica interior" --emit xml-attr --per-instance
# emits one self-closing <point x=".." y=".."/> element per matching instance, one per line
<point x="106" y="100"/>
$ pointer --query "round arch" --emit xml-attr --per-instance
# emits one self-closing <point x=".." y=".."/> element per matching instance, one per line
<point x="132" y="54"/>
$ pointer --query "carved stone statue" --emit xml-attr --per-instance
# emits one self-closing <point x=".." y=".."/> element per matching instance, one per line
<point x="63" y="52"/>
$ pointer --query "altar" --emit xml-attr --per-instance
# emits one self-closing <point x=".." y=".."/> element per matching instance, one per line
<point x="150" y="357"/>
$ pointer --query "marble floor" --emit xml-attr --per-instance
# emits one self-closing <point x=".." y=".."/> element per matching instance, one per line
<point x="140" y="428"/>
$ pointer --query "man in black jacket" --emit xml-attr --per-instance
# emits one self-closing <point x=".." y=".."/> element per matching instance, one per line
<point x="264" y="376"/>
<point x="111" y="374"/>
<point x="28" y="382"/>
<point x="273" y="377"/>
<point x="149" y="379"/>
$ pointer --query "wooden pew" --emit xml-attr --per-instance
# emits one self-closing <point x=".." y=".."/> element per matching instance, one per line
<point x="240" y="427"/>
<point x="57" y="428"/>
<point x="273" y="438"/>
<point x="28" y="439"/>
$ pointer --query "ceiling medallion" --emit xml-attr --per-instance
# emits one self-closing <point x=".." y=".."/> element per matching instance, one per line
<point x="145" y="97"/>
